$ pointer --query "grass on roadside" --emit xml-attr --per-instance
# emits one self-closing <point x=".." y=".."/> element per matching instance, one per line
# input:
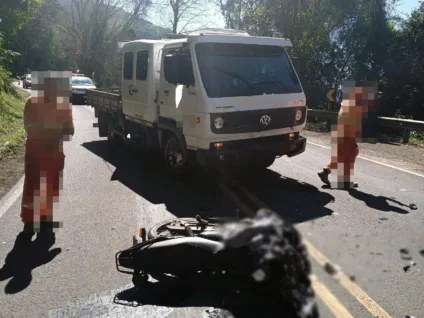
<point x="12" y="133"/>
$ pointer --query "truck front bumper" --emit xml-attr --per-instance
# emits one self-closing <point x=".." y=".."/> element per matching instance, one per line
<point x="243" y="151"/>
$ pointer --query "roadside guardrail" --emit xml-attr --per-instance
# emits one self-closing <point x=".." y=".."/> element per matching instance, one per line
<point x="407" y="125"/>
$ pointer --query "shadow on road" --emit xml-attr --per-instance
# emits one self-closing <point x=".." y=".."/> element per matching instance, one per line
<point x="294" y="200"/>
<point x="224" y="299"/>
<point x="25" y="256"/>
<point x="145" y="175"/>
<point x="378" y="202"/>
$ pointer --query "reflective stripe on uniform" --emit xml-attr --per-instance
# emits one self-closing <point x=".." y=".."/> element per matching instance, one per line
<point x="46" y="125"/>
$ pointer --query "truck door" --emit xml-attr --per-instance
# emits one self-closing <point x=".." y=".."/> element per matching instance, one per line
<point x="127" y="85"/>
<point x="168" y="93"/>
<point x="141" y="87"/>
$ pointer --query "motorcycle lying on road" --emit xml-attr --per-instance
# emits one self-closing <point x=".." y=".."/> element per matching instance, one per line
<point x="262" y="259"/>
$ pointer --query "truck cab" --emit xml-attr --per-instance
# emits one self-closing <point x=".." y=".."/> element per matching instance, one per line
<point x="223" y="98"/>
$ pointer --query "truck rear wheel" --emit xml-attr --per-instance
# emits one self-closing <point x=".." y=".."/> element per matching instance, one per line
<point x="103" y="119"/>
<point x="176" y="162"/>
<point x="113" y="139"/>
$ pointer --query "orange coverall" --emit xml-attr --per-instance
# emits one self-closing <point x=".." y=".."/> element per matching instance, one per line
<point x="347" y="128"/>
<point x="46" y="124"/>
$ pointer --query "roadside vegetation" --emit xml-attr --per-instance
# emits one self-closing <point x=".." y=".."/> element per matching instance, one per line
<point x="12" y="134"/>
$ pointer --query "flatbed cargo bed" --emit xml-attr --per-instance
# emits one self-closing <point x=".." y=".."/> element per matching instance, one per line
<point x="104" y="98"/>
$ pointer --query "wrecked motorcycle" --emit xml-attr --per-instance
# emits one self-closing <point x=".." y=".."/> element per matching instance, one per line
<point x="261" y="256"/>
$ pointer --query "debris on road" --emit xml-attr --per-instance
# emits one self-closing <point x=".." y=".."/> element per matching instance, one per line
<point x="383" y="219"/>
<point x="422" y="253"/>
<point x="406" y="268"/>
<point x="404" y="254"/>
<point x="331" y="268"/>
<point x="407" y="316"/>
<point x="352" y="278"/>
<point x="378" y="253"/>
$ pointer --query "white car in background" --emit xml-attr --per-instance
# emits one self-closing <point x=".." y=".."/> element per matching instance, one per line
<point x="80" y="84"/>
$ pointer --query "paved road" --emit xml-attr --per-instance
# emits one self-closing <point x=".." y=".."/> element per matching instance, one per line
<point x="108" y="195"/>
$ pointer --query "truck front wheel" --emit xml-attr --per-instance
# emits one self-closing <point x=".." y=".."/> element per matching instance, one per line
<point x="264" y="162"/>
<point x="175" y="158"/>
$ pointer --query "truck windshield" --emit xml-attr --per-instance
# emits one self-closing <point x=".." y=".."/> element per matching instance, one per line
<point x="230" y="70"/>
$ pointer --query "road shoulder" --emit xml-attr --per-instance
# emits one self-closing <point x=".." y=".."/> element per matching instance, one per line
<point x="403" y="156"/>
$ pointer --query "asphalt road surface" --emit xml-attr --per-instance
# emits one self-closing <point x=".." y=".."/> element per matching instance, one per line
<point x="108" y="195"/>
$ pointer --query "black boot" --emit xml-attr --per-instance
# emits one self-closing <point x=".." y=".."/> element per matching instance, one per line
<point x="323" y="175"/>
<point x="347" y="185"/>
<point x="28" y="229"/>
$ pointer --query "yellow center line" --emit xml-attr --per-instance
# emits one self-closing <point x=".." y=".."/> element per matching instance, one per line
<point x="248" y="211"/>
<point x="333" y="304"/>
<point x="329" y="299"/>
<point x="342" y="278"/>
<point x="347" y="283"/>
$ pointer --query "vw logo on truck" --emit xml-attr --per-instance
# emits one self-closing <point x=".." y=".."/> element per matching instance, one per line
<point x="265" y="120"/>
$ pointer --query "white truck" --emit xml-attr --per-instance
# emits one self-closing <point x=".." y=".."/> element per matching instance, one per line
<point x="217" y="97"/>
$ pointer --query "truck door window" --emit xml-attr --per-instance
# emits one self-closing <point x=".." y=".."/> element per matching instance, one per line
<point x="142" y="64"/>
<point x="128" y="65"/>
<point x="178" y="68"/>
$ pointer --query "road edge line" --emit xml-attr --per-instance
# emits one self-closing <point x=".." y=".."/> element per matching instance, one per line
<point x="331" y="301"/>
<point x="374" y="161"/>
<point x="10" y="198"/>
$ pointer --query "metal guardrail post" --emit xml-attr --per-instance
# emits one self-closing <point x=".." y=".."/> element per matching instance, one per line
<point x="406" y="135"/>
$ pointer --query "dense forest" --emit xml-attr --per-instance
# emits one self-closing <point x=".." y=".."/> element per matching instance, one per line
<point x="333" y="40"/>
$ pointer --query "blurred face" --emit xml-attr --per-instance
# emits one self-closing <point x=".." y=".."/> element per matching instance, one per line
<point x="51" y="88"/>
<point x="359" y="99"/>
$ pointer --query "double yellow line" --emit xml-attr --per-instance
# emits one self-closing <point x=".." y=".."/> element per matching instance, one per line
<point x="333" y="304"/>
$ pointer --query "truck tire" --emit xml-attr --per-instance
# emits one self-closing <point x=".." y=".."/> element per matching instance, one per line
<point x="113" y="139"/>
<point x="265" y="161"/>
<point x="103" y="119"/>
<point x="175" y="155"/>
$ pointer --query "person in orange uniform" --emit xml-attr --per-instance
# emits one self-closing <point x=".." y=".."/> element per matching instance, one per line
<point x="349" y="128"/>
<point x="48" y="121"/>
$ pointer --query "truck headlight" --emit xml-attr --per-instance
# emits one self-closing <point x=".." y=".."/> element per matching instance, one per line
<point x="218" y="122"/>
<point x="298" y="115"/>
